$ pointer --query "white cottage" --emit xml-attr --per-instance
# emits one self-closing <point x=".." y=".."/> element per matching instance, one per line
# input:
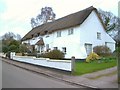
<point x="75" y="34"/>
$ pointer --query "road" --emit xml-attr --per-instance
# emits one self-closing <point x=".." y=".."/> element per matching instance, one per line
<point x="15" y="77"/>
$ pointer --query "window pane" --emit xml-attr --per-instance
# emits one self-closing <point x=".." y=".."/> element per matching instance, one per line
<point x="98" y="35"/>
<point x="64" y="49"/>
<point x="70" y="31"/>
<point x="55" y="48"/>
<point x="59" y="34"/>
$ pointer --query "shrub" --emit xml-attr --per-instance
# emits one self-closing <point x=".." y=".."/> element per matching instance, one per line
<point x="117" y="50"/>
<point x="102" y="50"/>
<point x="13" y="48"/>
<point x="30" y="54"/>
<point x="54" y="54"/>
<point x="92" y="56"/>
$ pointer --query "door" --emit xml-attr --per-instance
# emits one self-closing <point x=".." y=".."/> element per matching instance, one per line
<point x="88" y="48"/>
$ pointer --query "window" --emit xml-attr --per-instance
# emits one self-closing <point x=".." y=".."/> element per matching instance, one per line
<point x="64" y="49"/>
<point x="47" y="47"/>
<point x="59" y="34"/>
<point x="99" y="35"/>
<point x="55" y="48"/>
<point x="70" y="31"/>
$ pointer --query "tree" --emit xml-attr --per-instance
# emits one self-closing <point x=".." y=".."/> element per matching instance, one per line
<point x="13" y="48"/>
<point x="8" y="36"/>
<point x="14" y="42"/>
<point x="45" y="16"/>
<point x="9" y="42"/>
<point x="23" y="48"/>
<point x="33" y="22"/>
<point x="18" y="37"/>
<point x="117" y="37"/>
<point x="112" y="24"/>
<point x="108" y="19"/>
<point x="5" y="48"/>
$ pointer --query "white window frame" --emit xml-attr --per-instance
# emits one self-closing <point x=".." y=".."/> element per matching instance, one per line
<point x="64" y="50"/>
<point x="55" y="48"/>
<point x="70" y="31"/>
<point x="98" y="35"/>
<point x="47" y="47"/>
<point x="58" y="33"/>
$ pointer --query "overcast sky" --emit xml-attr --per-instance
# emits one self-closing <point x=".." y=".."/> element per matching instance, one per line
<point x="15" y="15"/>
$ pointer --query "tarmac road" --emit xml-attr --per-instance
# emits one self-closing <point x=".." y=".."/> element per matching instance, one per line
<point x="15" y="77"/>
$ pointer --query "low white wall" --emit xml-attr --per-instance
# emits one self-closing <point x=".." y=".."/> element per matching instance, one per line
<point x="46" y="62"/>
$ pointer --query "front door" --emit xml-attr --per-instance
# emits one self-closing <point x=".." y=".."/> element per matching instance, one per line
<point x="88" y="48"/>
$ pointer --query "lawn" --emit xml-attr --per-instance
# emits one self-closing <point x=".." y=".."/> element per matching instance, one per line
<point x="83" y="67"/>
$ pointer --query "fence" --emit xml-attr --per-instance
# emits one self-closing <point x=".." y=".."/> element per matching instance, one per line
<point x="46" y="62"/>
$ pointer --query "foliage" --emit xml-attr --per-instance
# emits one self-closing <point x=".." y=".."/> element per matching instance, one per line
<point x="112" y="24"/>
<point x="109" y="20"/>
<point x="8" y="36"/>
<point x="10" y="44"/>
<point x="32" y="54"/>
<point x="11" y="36"/>
<point x="13" y="48"/>
<point x="92" y="56"/>
<point x="23" y="48"/>
<point x="5" y="48"/>
<point x="117" y="50"/>
<point x="54" y="54"/>
<point x="14" y="42"/>
<point x="8" y="54"/>
<point x="102" y="50"/>
<point x="45" y="15"/>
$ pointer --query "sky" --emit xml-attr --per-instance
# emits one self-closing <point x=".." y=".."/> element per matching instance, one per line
<point x="15" y="15"/>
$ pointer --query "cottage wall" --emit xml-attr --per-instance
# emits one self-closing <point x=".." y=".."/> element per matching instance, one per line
<point x="86" y="33"/>
<point x="89" y="29"/>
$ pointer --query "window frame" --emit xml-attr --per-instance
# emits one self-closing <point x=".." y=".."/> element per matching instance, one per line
<point x="59" y="33"/>
<point x="55" y="48"/>
<point x="98" y="35"/>
<point x="64" y="50"/>
<point x="70" y="31"/>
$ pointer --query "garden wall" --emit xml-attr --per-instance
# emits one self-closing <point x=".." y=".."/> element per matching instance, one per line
<point x="46" y="62"/>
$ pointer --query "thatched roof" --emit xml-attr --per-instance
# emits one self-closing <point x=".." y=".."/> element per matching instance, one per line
<point x="62" y="23"/>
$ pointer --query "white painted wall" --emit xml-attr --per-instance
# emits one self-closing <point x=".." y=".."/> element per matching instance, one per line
<point x="57" y="64"/>
<point x="89" y="29"/>
<point x="75" y="43"/>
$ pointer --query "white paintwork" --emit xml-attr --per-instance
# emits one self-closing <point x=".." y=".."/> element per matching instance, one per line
<point x="84" y="33"/>
<point x="92" y="25"/>
<point x="57" y="64"/>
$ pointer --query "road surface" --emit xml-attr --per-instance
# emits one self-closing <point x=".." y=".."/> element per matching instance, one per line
<point x="15" y="77"/>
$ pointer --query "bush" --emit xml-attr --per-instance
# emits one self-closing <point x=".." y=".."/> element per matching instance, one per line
<point x="92" y="56"/>
<point x="13" y="48"/>
<point x="30" y="54"/>
<point x="54" y="54"/>
<point x="117" y="50"/>
<point x="102" y="50"/>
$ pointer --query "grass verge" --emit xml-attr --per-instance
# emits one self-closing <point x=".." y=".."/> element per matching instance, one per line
<point x="83" y="67"/>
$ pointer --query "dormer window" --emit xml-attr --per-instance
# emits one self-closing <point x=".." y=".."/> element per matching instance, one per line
<point x="58" y="33"/>
<point x="46" y="32"/>
<point x="38" y="34"/>
<point x="70" y="31"/>
<point x="32" y="35"/>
